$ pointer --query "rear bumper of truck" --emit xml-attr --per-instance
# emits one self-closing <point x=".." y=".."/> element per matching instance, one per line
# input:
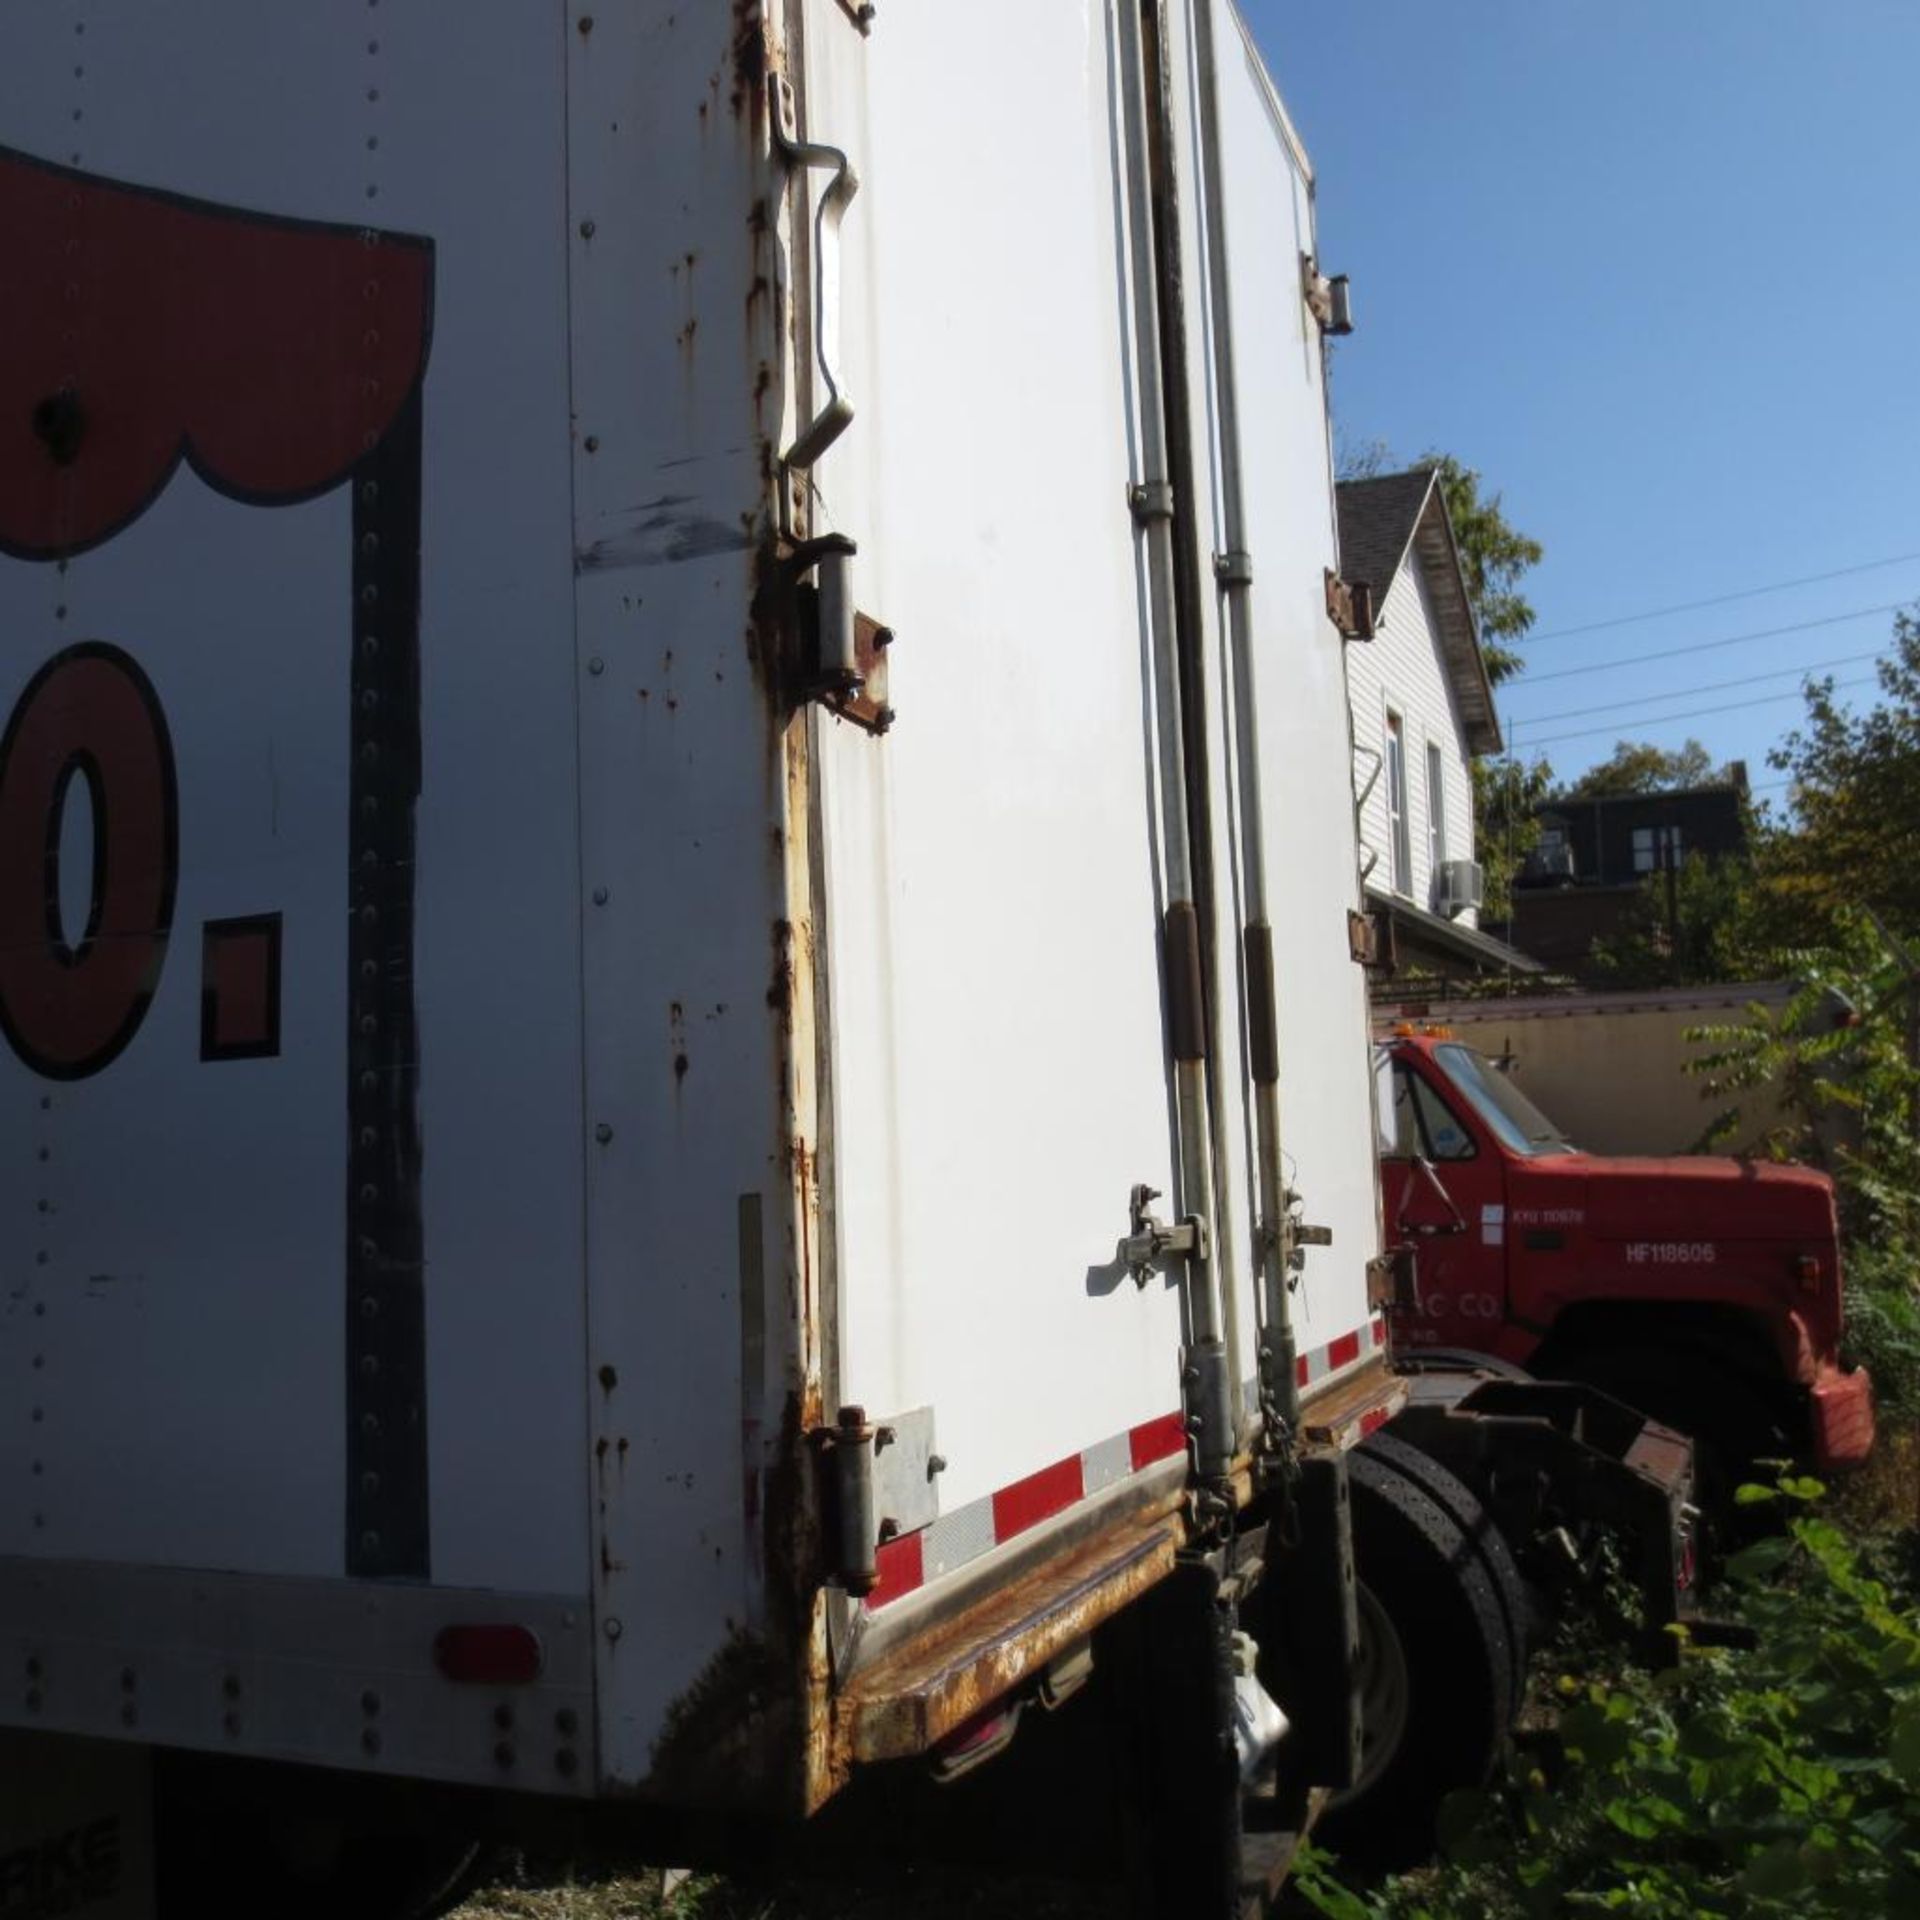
<point x="1840" y="1414"/>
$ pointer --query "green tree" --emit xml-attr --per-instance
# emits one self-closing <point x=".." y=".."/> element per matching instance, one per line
<point x="1505" y="794"/>
<point x="1635" y="767"/>
<point x="1494" y="555"/>
<point x="1708" y="926"/>
<point x="1855" y="836"/>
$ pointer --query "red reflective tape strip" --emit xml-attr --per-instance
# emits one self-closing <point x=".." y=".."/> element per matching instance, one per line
<point x="1038" y="1497"/>
<point x="1303" y="1370"/>
<point x="1158" y="1440"/>
<point x="1343" y="1352"/>
<point x="901" y="1567"/>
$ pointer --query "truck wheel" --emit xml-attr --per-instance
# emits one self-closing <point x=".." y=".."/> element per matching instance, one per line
<point x="1463" y="1507"/>
<point x="1439" y="1668"/>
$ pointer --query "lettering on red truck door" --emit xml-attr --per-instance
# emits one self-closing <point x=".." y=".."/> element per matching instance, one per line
<point x="279" y="360"/>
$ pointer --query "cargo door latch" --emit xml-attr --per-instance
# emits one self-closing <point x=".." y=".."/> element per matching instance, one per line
<point x="1153" y="1239"/>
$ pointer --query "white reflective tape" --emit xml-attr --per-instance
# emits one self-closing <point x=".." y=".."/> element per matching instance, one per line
<point x="957" y="1537"/>
<point x="1106" y="1464"/>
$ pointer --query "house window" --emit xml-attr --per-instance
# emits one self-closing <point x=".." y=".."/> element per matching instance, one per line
<point x="1655" y="849"/>
<point x="1397" y="804"/>
<point x="1436" y="814"/>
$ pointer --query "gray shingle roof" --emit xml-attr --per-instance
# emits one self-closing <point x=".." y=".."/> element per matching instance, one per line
<point x="1380" y="519"/>
<point x="1377" y="519"/>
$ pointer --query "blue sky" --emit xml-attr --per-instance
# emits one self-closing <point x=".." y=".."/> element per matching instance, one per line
<point x="1653" y="267"/>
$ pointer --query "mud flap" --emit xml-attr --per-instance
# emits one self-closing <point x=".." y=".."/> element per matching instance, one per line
<point x="76" y="1829"/>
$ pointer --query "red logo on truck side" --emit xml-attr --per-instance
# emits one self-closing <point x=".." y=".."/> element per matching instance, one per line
<point x="279" y="359"/>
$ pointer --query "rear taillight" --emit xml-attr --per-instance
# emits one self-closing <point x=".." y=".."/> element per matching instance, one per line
<point x="1808" y="1270"/>
<point x="494" y="1656"/>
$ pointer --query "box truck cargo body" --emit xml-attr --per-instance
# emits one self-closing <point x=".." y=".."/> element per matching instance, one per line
<point x="492" y="1066"/>
<point x="661" y="854"/>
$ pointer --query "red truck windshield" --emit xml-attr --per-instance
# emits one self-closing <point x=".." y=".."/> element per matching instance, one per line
<point x="1519" y="1124"/>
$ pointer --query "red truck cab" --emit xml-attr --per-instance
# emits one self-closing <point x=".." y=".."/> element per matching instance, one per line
<point x="1704" y="1291"/>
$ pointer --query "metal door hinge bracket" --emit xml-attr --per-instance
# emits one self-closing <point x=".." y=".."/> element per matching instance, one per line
<point x="1233" y="569"/>
<point x="879" y="1480"/>
<point x="1151" y="1240"/>
<point x="1390" y="1280"/>
<point x="841" y="656"/>
<point x="1370" y="940"/>
<point x="1350" y="606"/>
<point x="861" y="13"/>
<point x="1328" y="297"/>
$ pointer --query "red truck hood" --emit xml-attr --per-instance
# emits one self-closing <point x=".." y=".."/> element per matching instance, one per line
<point x="1691" y="1197"/>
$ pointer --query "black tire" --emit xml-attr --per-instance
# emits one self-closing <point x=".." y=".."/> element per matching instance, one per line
<point x="1462" y="1506"/>
<point x="1441" y="1664"/>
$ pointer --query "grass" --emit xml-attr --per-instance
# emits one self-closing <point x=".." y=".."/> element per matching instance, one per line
<point x="530" y="1891"/>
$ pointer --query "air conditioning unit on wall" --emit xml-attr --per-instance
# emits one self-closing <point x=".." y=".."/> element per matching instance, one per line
<point x="1462" y="886"/>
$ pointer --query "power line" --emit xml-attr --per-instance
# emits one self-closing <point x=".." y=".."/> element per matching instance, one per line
<point x="1690" y="713"/>
<point x="1708" y="646"/>
<point x="1718" y="599"/>
<point x="1710" y="686"/>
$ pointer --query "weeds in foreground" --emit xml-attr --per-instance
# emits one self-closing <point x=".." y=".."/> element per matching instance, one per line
<point x="1780" y="1780"/>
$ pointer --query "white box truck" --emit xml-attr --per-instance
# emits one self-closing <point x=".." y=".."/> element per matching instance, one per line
<point x="648" y="805"/>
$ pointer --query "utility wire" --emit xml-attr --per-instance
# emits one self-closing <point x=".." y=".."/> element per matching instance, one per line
<point x="1710" y="686"/>
<point x="1689" y="713"/>
<point x="1707" y="646"/>
<point x="1721" y="599"/>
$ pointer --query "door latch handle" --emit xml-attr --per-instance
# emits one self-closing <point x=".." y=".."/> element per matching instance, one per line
<point x="832" y="419"/>
<point x="1153" y="1239"/>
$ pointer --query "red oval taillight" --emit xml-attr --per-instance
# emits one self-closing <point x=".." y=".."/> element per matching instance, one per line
<point x="498" y="1655"/>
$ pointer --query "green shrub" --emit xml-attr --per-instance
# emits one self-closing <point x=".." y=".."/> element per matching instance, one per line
<point x="1780" y="1780"/>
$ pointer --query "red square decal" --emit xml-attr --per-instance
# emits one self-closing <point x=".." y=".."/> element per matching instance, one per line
<point x="240" y="988"/>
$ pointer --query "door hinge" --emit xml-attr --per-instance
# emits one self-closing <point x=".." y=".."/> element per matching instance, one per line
<point x="1390" y="1279"/>
<point x="843" y="652"/>
<point x="878" y="1480"/>
<point x="1370" y="940"/>
<point x="1350" y="606"/>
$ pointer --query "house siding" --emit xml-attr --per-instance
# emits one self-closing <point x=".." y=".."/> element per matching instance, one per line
<point x="1401" y="669"/>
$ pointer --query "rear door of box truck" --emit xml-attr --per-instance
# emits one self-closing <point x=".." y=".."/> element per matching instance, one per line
<point x="993" y="866"/>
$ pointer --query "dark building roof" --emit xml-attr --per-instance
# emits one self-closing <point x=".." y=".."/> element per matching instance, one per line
<point x="1380" y="519"/>
<point x="1597" y="835"/>
<point x="1587" y="883"/>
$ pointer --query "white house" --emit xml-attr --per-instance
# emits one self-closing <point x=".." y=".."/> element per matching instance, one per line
<point x="1422" y="708"/>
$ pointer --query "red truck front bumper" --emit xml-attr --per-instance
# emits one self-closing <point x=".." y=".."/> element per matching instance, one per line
<point x="1841" y="1405"/>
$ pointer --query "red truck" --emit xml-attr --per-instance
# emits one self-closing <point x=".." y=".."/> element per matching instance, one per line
<point x="1704" y="1291"/>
